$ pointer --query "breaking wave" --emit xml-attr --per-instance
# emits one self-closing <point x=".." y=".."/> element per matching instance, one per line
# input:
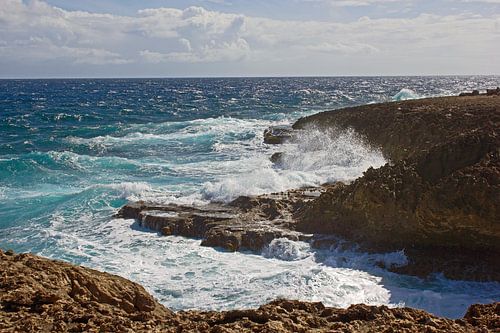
<point x="315" y="158"/>
<point x="405" y="94"/>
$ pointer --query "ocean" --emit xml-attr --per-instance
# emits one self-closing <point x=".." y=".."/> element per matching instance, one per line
<point x="73" y="151"/>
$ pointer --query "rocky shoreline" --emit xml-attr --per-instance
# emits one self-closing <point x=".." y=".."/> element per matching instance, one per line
<point x="42" y="295"/>
<point x="437" y="199"/>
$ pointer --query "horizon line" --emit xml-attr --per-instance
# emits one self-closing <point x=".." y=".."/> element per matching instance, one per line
<point x="230" y="77"/>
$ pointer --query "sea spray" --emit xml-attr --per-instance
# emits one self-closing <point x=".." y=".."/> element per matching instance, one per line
<point x="315" y="157"/>
<point x="285" y="249"/>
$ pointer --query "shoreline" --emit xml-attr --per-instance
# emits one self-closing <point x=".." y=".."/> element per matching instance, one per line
<point x="421" y="132"/>
<point x="435" y="199"/>
<point x="42" y="295"/>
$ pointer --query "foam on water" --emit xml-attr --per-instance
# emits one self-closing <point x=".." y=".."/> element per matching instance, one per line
<point x="285" y="249"/>
<point x="405" y="94"/>
<point x="184" y="275"/>
<point x="316" y="157"/>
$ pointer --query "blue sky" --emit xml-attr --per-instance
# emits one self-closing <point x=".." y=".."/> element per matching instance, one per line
<point x="162" y="38"/>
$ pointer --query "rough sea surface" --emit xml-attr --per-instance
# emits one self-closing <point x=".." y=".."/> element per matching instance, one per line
<point x="74" y="151"/>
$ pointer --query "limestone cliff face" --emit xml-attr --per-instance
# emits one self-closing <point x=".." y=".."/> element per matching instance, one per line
<point x="42" y="295"/>
<point x="440" y="194"/>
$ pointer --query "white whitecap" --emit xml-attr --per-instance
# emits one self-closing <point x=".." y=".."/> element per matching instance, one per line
<point x="405" y="94"/>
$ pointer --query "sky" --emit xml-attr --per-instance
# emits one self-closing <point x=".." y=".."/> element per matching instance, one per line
<point x="206" y="38"/>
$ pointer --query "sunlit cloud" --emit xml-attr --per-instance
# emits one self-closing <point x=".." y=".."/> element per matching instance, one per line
<point x="180" y="40"/>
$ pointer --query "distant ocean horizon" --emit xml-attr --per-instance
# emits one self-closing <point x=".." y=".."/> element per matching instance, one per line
<point x="73" y="151"/>
<point x="166" y="77"/>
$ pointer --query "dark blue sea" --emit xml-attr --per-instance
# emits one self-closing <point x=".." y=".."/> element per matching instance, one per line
<point x="72" y="152"/>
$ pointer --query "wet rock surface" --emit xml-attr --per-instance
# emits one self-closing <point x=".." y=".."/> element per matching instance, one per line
<point x="42" y="295"/>
<point x="489" y="92"/>
<point x="278" y="134"/>
<point x="247" y="223"/>
<point x="437" y="199"/>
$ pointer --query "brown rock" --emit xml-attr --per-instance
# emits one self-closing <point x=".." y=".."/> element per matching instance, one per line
<point x="484" y="316"/>
<point x="438" y="198"/>
<point x="249" y="223"/>
<point x="493" y="92"/>
<point x="277" y="134"/>
<point x="41" y="295"/>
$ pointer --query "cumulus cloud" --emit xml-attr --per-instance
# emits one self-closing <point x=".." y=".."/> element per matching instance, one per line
<point x="201" y="35"/>
<point x="35" y="32"/>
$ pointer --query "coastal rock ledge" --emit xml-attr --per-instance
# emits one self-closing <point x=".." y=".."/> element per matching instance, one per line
<point x="438" y="198"/>
<point x="42" y="295"/>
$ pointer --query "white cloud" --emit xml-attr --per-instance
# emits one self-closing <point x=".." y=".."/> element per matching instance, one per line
<point x="36" y="32"/>
<point x="210" y="52"/>
<point x="343" y="48"/>
<point x="357" y="3"/>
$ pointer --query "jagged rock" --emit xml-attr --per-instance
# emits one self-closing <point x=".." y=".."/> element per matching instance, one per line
<point x="42" y="295"/>
<point x="277" y="134"/>
<point x="492" y="92"/>
<point x="437" y="199"/>
<point x="489" y="92"/>
<point x="248" y="223"/>
<point x="484" y="316"/>
<point x="277" y="158"/>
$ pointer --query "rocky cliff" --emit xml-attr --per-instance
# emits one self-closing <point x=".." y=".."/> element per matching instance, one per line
<point x="42" y="295"/>
<point x="439" y="196"/>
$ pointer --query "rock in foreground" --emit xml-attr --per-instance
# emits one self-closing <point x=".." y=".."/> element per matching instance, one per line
<point x="41" y="295"/>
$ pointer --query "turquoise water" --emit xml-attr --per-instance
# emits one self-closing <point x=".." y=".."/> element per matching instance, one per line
<point x="73" y="151"/>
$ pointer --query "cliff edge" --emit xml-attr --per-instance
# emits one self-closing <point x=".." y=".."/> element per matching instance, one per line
<point x="439" y="196"/>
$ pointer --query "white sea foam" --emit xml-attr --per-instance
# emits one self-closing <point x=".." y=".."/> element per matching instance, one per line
<point x="144" y="133"/>
<point x="127" y="189"/>
<point x="405" y="94"/>
<point x="181" y="274"/>
<point x="316" y="157"/>
<point x="184" y="275"/>
<point x="285" y="249"/>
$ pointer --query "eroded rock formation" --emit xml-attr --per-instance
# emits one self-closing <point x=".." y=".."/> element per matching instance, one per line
<point x="41" y="295"/>
<point x="248" y="223"/>
<point x="438" y="198"/>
